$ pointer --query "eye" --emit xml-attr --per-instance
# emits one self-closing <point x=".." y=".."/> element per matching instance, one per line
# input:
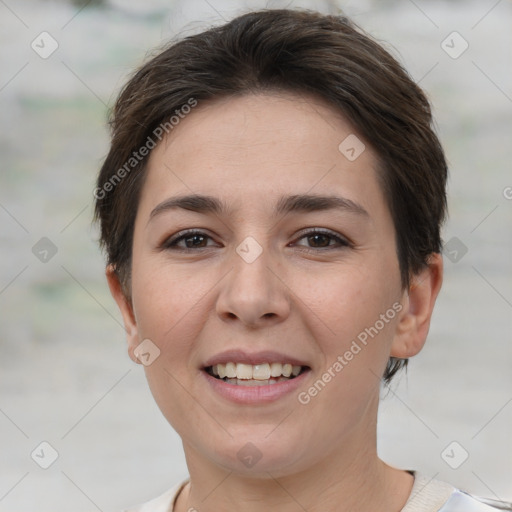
<point x="318" y="240"/>
<point x="321" y="239"/>
<point x="187" y="241"/>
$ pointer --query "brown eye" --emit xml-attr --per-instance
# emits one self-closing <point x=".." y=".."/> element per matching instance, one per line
<point x="195" y="241"/>
<point x="188" y="240"/>
<point x="319" y="239"/>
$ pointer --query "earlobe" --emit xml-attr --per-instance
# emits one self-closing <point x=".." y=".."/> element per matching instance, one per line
<point x="418" y="304"/>
<point x="126" y="308"/>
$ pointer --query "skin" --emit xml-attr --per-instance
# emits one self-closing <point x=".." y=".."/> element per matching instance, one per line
<point x="296" y="297"/>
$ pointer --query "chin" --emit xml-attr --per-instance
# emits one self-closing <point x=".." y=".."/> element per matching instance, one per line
<point x="256" y="456"/>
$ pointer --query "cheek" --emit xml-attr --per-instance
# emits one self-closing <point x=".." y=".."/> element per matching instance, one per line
<point x="355" y="294"/>
<point x="167" y="306"/>
<point x="358" y="308"/>
<point x="361" y="315"/>
<point x="169" y="310"/>
<point x="164" y="295"/>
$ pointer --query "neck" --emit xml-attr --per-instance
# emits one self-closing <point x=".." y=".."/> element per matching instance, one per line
<point x="351" y="477"/>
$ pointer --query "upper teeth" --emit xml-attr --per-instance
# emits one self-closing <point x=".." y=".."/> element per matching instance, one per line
<point x="262" y="371"/>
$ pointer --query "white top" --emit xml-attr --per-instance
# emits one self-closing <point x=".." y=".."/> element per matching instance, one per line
<point x="427" y="495"/>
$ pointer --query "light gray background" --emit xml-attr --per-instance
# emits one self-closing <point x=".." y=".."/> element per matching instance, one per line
<point x="65" y="377"/>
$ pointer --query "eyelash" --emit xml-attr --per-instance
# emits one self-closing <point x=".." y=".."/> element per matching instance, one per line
<point x="171" y="243"/>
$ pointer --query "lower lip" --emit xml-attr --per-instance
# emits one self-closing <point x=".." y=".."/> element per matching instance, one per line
<point x="255" y="394"/>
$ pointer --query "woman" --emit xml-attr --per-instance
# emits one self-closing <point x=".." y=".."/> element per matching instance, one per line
<point x="271" y="209"/>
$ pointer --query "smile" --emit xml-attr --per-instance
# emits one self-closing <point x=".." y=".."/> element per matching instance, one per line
<point x="263" y="374"/>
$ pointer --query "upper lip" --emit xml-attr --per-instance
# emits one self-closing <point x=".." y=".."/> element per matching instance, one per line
<point x="244" y="357"/>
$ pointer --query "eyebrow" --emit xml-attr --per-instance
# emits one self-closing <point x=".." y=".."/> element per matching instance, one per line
<point x="299" y="203"/>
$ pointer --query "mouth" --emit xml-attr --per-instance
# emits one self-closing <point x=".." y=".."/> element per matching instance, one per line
<point x="263" y="374"/>
<point x="254" y="378"/>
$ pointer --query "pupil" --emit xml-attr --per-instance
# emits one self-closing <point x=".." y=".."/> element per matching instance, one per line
<point x="316" y="237"/>
<point x="196" y="243"/>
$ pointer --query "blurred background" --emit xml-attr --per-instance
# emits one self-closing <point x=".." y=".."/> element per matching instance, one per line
<point x="65" y="378"/>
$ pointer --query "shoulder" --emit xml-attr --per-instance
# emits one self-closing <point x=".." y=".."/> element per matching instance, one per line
<point x="163" y="503"/>
<point x="460" y="501"/>
<point x="430" y="495"/>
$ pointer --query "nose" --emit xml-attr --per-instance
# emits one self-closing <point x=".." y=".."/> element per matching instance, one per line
<point x="253" y="292"/>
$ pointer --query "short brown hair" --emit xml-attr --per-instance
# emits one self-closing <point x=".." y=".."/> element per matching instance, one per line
<point x="294" y="51"/>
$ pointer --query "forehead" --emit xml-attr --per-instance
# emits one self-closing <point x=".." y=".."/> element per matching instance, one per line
<point x="251" y="150"/>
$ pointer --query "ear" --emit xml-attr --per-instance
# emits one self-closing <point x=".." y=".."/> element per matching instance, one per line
<point x="126" y="308"/>
<point x="418" y="303"/>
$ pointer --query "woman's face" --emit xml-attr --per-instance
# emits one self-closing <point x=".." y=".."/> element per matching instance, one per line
<point x="272" y="277"/>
